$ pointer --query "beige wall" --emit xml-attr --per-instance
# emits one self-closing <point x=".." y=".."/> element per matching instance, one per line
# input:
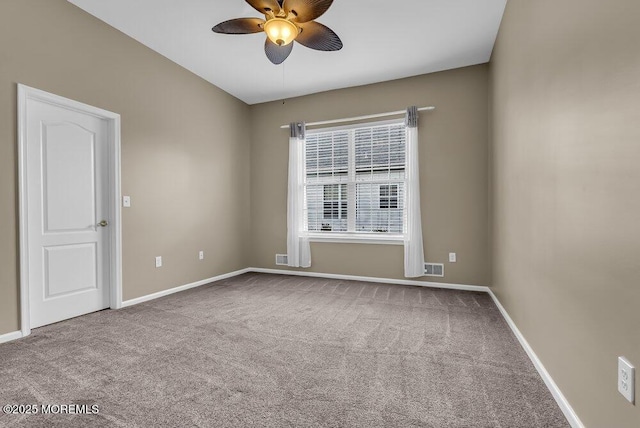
<point x="185" y="149"/>
<point x="453" y="175"/>
<point x="566" y="192"/>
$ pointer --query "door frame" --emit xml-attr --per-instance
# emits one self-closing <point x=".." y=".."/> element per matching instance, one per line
<point x="114" y="209"/>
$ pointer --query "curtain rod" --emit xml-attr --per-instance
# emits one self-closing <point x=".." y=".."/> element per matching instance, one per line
<point x="370" y="116"/>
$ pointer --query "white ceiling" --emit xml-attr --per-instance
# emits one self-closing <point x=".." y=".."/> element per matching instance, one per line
<point x="383" y="40"/>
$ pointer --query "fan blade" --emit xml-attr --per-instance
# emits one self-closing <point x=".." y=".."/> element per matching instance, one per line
<point x="319" y="37"/>
<point x="306" y="10"/>
<point x="277" y="54"/>
<point x="264" y="6"/>
<point x="240" y="26"/>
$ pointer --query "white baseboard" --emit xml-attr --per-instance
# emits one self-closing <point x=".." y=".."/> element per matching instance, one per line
<point x="163" y="293"/>
<point x="374" y="279"/>
<point x="566" y="408"/>
<point x="8" y="337"/>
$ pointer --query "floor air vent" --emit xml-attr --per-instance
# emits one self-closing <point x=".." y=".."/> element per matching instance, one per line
<point x="282" y="259"/>
<point x="433" y="269"/>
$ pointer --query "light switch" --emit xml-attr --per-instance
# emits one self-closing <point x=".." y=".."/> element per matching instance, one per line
<point x="126" y="201"/>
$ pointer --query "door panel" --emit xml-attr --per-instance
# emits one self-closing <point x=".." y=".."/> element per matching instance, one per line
<point x="69" y="177"/>
<point x="67" y="181"/>
<point x="59" y="280"/>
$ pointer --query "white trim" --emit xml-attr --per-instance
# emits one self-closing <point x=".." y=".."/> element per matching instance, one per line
<point x="8" y="337"/>
<point x="353" y="238"/>
<point x="25" y="323"/>
<point x="163" y="293"/>
<point x="562" y="401"/>
<point x="115" y="269"/>
<point x="463" y="287"/>
<point x="116" y="213"/>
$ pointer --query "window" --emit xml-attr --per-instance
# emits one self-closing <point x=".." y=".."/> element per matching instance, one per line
<point x="355" y="181"/>
<point x="388" y="196"/>
<point x="335" y="201"/>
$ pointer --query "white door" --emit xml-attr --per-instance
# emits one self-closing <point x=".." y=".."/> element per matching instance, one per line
<point x="67" y="191"/>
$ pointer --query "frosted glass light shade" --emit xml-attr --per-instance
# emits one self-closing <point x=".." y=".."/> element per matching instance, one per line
<point x="280" y="31"/>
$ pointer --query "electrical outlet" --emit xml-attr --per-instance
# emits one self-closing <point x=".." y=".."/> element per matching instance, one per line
<point x="201" y="255"/>
<point x="626" y="379"/>
<point x="452" y="257"/>
<point x="159" y="261"/>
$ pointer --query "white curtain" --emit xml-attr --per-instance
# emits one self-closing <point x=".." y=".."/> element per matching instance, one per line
<point x="298" y="249"/>
<point x="413" y="249"/>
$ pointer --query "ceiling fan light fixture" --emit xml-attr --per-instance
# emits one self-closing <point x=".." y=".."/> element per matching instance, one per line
<point x="281" y="31"/>
<point x="286" y="21"/>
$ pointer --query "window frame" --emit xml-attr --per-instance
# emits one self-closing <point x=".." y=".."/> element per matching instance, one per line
<point x="354" y="237"/>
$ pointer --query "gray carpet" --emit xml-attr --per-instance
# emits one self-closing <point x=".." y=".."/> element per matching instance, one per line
<point x="280" y="351"/>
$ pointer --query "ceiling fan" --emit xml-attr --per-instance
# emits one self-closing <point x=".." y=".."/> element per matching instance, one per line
<point x="286" y="21"/>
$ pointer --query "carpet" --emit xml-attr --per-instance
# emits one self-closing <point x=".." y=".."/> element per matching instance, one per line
<point x="281" y="351"/>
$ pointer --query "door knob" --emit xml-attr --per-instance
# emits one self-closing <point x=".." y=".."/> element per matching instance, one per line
<point x="103" y="223"/>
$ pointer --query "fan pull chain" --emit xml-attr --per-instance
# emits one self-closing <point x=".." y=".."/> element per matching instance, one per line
<point x="283" y="84"/>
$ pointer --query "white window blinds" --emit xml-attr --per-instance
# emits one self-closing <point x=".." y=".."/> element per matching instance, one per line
<point x="355" y="179"/>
